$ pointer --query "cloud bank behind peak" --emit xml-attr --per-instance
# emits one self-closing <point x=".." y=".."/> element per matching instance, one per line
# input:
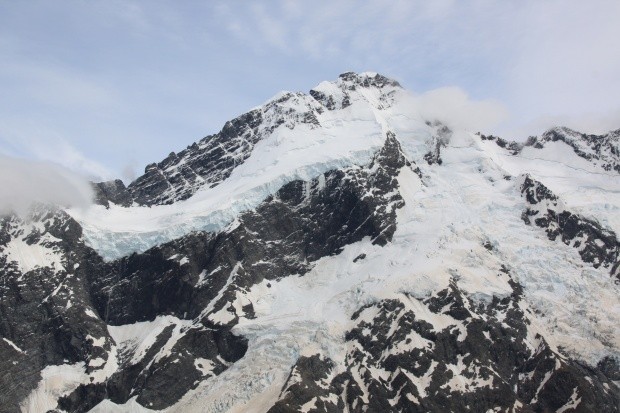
<point x="26" y="182"/>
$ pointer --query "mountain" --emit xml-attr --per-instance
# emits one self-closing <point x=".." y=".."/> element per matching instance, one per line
<point x="326" y="252"/>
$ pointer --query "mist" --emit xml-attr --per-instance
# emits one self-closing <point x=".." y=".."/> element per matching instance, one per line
<point x="26" y="182"/>
<point x="453" y="107"/>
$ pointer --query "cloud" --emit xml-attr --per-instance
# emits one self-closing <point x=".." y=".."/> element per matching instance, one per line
<point x="22" y="138"/>
<point x="130" y="171"/>
<point x="595" y="123"/>
<point x="72" y="158"/>
<point x="452" y="106"/>
<point x="24" y="182"/>
<point x="325" y="28"/>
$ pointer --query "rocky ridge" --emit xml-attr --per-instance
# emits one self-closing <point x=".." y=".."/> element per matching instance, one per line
<point x="600" y="150"/>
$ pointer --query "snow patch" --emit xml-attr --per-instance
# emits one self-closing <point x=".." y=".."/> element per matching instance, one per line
<point x="31" y="256"/>
<point x="15" y="347"/>
<point x="56" y="381"/>
<point x="204" y="366"/>
<point x="137" y="338"/>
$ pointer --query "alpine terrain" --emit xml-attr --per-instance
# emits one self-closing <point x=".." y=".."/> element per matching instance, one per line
<point x="334" y="251"/>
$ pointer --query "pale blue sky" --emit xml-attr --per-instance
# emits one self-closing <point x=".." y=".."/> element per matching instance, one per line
<point x="105" y="87"/>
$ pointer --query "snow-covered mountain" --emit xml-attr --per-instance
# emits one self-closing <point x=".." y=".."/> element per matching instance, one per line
<point x="326" y="252"/>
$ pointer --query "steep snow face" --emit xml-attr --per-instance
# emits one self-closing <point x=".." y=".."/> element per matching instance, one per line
<point x="602" y="151"/>
<point x="285" y="235"/>
<point x="463" y="225"/>
<point x="55" y="382"/>
<point x="582" y="184"/>
<point x="289" y="149"/>
<point x="27" y="257"/>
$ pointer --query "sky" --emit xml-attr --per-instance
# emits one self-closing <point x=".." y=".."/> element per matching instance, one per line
<point x="105" y="87"/>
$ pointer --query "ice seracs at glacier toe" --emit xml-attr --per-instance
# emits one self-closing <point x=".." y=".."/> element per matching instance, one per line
<point x="327" y="252"/>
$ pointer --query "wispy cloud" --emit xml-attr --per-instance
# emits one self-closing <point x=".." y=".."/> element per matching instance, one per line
<point x="57" y="86"/>
<point x="24" y="182"/>
<point x="71" y="158"/>
<point x="43" y="144"/>
<point x="325" y="28"/>
<point x="454" y="107"/>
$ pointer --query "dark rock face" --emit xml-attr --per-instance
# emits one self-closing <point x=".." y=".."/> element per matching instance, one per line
<point x="445" y="351"/>
<point x="316" y="218"/>
<point x="610" y="367"/>
<point x="206" y="162"/>
<point x="46" y="312"/>
<point x="597" y="245"/>
<point x="482" y="360"/>
<point x="329" y="102"/>
<point x="439" y="140"/>
<point x="350" y="82"/>
<point x="53" y="316"/>
<point x="157" y="381"/>
<point x="513" y="147"/>
<point x="112" y="191"/>
<point x="201" y="276"/>
<point x="213" y="158"/>
<point x="309" y="379"/>
<point x="378" y="81"/>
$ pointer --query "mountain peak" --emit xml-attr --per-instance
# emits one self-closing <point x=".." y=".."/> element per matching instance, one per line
<point x="368" y="79"/>
<point x="350" y="86"/>
<point x="550" y="133"/>
<point x="563" y="132"/>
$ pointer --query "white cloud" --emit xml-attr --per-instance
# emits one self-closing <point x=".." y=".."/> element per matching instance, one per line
<point x="130" y="171"/>
<point x="452" y="106"/>
<point x="73" y="159"/>
<point x="595" y="123"/>
<point x="24" y="182"/>
<point x="39" y="141"/>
